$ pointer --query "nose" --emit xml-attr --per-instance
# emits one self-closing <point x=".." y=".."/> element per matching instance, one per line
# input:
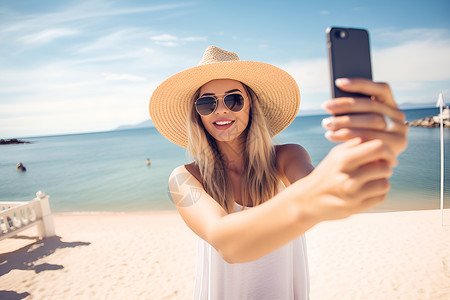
<point x="221" y="108"/>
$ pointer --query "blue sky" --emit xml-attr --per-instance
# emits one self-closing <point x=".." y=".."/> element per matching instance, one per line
<point x="82" y="66"/>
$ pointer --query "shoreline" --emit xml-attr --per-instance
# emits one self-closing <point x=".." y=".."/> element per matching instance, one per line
<point x="398" y="199"/>
<point x="149" y="212"/>
<point x="112" y="213"/>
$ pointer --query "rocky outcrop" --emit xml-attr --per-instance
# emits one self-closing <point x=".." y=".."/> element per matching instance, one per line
<point x="13" y="141"/>
<point x="429" y="122"/>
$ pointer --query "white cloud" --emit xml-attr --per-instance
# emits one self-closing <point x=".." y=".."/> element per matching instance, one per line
<point x="103" y="42"/>
<point x="125" y="77"/>
<point x="195" y="39"/>
<point x="84" y="10"/>
<point x="312" y="79"/>
<point x="95" y="108"/>
<point x="413" y="34"/>
<point x="172" y="41"/>
<point x="101" y="57"/>
<point x="410" y="66"/>
<point x="26" y="82"/>
<point x="414" y="60"/>
<point x="137" y="10"/>
<point x="48" y="35"/>
<point x="167" y="44"/>
<point x="164" y="38"/>
<point x="98" y="81"/>
<point x="324" y="12"/>
<point x="311" y="75"/>
<point x="409" y="63"/>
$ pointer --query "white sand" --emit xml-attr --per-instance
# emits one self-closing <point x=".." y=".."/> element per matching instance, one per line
<point x="399" y="255"/>
<point x="114" y="256"/>
<point x="402" y="255"/>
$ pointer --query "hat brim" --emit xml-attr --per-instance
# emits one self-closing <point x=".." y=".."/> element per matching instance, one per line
<point x="277" y="91"/>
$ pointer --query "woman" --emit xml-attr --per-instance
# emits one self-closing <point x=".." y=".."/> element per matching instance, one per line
<point x="250" y="202"/>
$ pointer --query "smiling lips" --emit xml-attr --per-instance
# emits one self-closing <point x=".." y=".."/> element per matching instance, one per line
<point x="223" y="124"/>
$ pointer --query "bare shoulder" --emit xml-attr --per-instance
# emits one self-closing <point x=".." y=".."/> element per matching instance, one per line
<point x="286" y="152"/>
<point x="186" y="171"/>
<point x="293" y="162"/>
<point x="193" y="169"/>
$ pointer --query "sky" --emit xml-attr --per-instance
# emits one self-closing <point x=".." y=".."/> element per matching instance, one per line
<point x="92" y="65"/>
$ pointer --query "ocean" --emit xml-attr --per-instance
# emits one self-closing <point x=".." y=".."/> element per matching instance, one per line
<point x="107" y="171"/>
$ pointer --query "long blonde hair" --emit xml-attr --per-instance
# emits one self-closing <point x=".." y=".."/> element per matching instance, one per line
<point x="260" y="180"/>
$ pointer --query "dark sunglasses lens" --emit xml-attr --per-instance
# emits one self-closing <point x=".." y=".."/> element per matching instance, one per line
<point x="234" y="102"/>
<point x="205" y="105"/>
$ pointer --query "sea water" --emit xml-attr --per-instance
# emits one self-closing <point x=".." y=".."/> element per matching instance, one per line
<point x="107" y="171"/>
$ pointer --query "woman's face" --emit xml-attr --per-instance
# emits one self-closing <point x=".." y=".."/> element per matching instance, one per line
<point x="223" y="124"/>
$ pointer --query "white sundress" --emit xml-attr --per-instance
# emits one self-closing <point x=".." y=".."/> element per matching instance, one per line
<point x="282" y="274"/>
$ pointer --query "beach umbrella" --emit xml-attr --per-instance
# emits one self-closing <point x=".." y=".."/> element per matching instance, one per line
<point x="441" y="104"/>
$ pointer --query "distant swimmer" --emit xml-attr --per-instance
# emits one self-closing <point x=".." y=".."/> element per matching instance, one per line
<point x="148" y="161"/>
<point x="21" y="167"/>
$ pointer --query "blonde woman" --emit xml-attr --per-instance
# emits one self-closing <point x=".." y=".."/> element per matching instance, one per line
<point x="251" y="202"/>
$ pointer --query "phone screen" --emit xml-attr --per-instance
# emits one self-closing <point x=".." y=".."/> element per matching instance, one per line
<point x="349" y="57"/>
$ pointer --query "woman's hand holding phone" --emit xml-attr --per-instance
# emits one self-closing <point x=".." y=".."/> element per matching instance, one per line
<point x="354" y="176"/>
<point x="361" y="108"/>
<point x="377" y="117"/>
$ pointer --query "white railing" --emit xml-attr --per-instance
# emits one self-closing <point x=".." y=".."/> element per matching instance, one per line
<point x="18" y="216"/>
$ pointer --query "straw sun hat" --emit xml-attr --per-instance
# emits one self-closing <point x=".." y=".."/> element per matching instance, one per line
<point x="277" y="91"/>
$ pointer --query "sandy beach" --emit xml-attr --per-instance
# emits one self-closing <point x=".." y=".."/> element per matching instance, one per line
<point x="397" y="255"/>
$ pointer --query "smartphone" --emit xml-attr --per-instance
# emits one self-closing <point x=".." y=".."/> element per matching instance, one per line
<point x="348" y="56"/>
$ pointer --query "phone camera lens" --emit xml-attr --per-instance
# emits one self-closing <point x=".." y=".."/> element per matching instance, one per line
<point x="341" y="34"/>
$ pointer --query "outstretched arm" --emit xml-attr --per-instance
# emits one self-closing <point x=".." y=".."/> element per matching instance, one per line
<point x="350" y="179"/>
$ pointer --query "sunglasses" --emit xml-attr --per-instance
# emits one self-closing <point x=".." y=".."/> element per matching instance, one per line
<point x="208" y="104"/>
